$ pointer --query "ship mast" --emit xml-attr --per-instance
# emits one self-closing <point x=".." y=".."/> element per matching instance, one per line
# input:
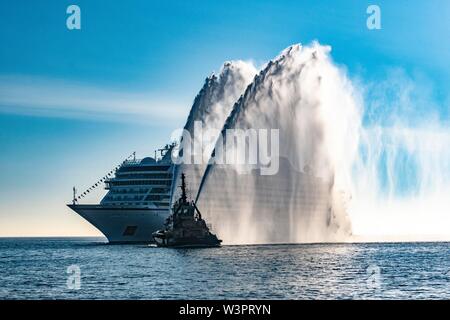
<point x="74" y="200"/>
<point x="183" y="189"/>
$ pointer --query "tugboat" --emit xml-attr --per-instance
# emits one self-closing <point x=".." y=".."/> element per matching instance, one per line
<point x="185" y="227"/>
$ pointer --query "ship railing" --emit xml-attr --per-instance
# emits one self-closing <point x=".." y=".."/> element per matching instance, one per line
<point x="131" y="162"/>
<point x="104" y="180"/>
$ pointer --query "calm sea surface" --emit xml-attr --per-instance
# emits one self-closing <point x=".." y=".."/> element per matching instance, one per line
<point x="47" y="269"/>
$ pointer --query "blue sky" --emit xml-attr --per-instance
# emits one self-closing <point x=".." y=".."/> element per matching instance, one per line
<point x="74" y="103"/>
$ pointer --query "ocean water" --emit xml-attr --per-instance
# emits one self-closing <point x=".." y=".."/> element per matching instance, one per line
<point x="38" y="269"/>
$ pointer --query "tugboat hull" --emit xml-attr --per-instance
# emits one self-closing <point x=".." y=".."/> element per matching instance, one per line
<point x="162" y="240"/>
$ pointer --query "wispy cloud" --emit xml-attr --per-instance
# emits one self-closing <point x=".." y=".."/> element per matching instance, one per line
<point x="62" y="98"/>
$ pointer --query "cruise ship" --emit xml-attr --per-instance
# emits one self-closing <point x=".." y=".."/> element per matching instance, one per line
<point x="137" y="202"/>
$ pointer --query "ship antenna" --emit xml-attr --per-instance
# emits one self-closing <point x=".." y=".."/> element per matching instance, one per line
<point x="183" y="188"/>
<point x="74" y="200"/>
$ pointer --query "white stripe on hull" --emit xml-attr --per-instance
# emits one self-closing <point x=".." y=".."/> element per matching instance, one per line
<point x="122" y="225"/>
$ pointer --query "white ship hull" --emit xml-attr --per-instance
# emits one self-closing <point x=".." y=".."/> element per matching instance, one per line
<point x="123" y="224"/>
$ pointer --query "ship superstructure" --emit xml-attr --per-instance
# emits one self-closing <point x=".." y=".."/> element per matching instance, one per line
<point x="137" y="202"/>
